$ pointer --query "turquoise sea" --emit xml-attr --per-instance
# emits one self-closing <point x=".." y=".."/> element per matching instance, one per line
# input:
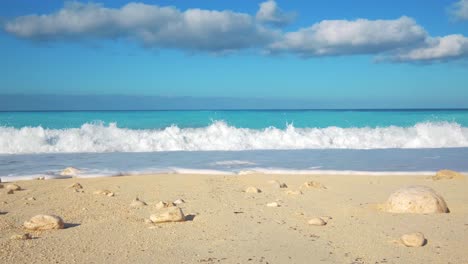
<point x="306" y="141"/>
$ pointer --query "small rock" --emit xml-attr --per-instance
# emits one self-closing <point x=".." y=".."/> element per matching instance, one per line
<point x="70" y="171"/>
<point x="75" y="186"/>
<point x="162" y="204"/>
<point x="30" y="199"/>
<point x="416" y="200"/>
<point x="13" y="187"/>
<point x="44" y="222"/>
<point x="278" y="184"/>
<point x="178" y="201"/>
<point x="413" y="240"/>
<point x="169" y="214"/>
<point x="21" y="237"/>
<point x="104" y="192"/>
<point x="291" y="192"/>
<point x="317" y="221"/>
<point x="252" y="189"/>
<point x="137" y="203"/>
<point x="314" y="184"/>
<point x="447" y="175"/>
<point x="273" y="204"/>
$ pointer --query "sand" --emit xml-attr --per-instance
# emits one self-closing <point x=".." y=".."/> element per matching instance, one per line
<point x="224" y="224"/>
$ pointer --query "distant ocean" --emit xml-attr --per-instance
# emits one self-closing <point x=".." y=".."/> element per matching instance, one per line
<point x="299" y="141"/>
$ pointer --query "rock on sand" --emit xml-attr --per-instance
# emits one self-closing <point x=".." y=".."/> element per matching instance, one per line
<point x="13" y="187"/>
<point x="21" y="237"/>
<point x="169" y="214"/>
<point x="413" y="240"/>
<point x="273" y="204"/>
<point x="317" y="221"/>
<point x="44" y="222"/>
<point x="252" y="189"/>
<point x="417" y="200"/>
<point x="448" y="175"/>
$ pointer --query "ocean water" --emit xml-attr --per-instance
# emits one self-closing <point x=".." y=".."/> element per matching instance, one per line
<point x="300" y="141"/>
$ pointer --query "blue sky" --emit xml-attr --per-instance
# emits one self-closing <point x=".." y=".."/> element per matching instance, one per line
<point x="411" y="51"/>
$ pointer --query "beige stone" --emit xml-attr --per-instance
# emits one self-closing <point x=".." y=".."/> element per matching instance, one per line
<point x="416" y="199"/>
<point x="178" y="201"/>
<point x="169" y="214"/>
<point x="44" y="222"/>
<point x="447" y="175"/>
<point x="252" y="189"/>
<point x="317" y="221"/>
<point x="413" y="240"/>
<point x="21" y="237"/>
<point x="273" y="204"/>
<point x="13" y="187"/>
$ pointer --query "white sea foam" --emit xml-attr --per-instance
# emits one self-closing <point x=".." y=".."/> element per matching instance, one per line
<point x="221" y="136"/>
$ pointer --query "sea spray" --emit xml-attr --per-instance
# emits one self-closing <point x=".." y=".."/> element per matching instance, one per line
<point x="98" y="137"/>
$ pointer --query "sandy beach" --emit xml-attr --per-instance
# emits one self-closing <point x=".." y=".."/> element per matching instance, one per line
<point x="225" y="224"/>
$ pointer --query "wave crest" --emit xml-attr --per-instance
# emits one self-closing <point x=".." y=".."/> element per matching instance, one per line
<point x="98" y="137"/>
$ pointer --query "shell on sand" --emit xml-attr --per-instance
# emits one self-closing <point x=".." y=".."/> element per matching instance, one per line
<point x="447" y="175"/>
<point x="70" y="171"/>
<point x="137" y="203"/>
<point x="252" y="189"/>
<point x="21" y="237"/>
<point x="416" y="199"/>
<point x="13" y="187"/>
<point x="413" y="240"/>
<point x="76" y="185"/>
<point x="162" y="204"/>
<point x="278" y="184"/>
<point x="273" y="204"/>
<point x="169" y="214"/>
<point x="44" y="222"/>
<point x="314" y="184"/>
<point x="104" y="192"/>
<point x="317" y="221"/>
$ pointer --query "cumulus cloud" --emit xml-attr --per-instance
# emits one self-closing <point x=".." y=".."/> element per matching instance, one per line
<point x="345" y="37"/>
<point x="460" y="9"/>
<point x="154" y="26"/>
<point x="436" y="49"/>
<point x="269" y="12"/>
<point x="199" y="30"/>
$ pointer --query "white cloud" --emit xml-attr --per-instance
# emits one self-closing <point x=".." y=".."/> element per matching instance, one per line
<point x="345" y="37"/>
<point x="269" y="12"/>
<point x="436" y="49"/>
<point x="166" y="27"/>
<point x="460" y="9"/>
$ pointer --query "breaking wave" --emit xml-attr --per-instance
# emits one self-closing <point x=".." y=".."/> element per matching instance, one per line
<point x="97" y="137"/>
